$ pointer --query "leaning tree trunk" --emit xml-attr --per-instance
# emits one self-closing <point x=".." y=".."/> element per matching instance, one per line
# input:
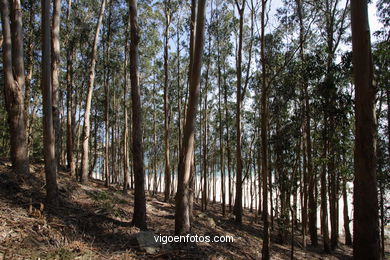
<point x="87" y="113"/>
<point x="139" y="216"/>
<point x="48" y="128"/>
<point x="182" y="217"/>
<point x="365" y="199"/>
<point x="13" y="68"/>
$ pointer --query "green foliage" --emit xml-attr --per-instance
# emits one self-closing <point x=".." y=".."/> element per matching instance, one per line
<point x="66" y="254"/>
<point x="100" y="195"/>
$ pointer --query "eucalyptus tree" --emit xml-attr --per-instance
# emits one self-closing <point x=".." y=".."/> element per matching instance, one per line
<point x="332" y="29"/>
<point x="139" y="216"/>
<point x="238" y="200"/>
<point x="182" y="216"/>
<point x="31" y="36"/>
<point x="107" y="45"/>
<point x="221" y="31"/>
<point x="205" y="122"/>
<point x="14" y="84"/>
<point x="365" y="221"/>
<point x="151" y="44"/>
<point x="381" y="65"/>
<point x="264" y="134"/>
<point x="48" y="127"/>
<point x="91" y="80"/>
<point x="70" y="107"/>
<point x="309" y="210"/>
<point x="167" y="116"/>
<point x="55" y="55"/>
<point x="125" y="117"/>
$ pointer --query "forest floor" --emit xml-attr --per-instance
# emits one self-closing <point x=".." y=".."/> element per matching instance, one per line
<point x="93" y="222"/>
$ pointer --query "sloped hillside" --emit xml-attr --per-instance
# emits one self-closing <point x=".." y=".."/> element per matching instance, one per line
<point x="93" y="222"/>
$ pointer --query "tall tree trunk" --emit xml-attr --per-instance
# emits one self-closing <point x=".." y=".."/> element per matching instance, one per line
<point x="238" y="201"/>
<point x="55" y="66"/>
<point x="167" y="172"/>
<point x="293" y="208"/>
<point x="13" y="68"/>
<point x="155" y="183"/>
<point x="91" y="80"/>
<point x="308" y="192"/>
<point x="78" y="129"/>
<point x="324" y="188"/>
<point x="206" y="194"/>
<point x="179" y="89"/>
<point x="251" y="187"/>
<point x="348" y="237"/>
<point x="221" y="142"/>
<point x="139" y="216"/>
<point x="205" y="188"/>
<point x="388" y="119"/>
<point x="214" y="183"/>
<point x="303" y="186"/>
<point x="264" y="134"/>
<point x="30" y="70"/>
<point x="272" y="211"/>
<point x="182" y="217"/>
<point x="69" y="99"/>
<point x="125" y="126"/>
<point x="230" y="195"/>
<point x="259" y="172"/>
<point x="48" y="128"/>
<point x="381" y="185"/>
<point x="95" y="144"/>
<point x="107" y="99"/>
<point x="365" y="199"/>
<point x="333" y="35"/>
<point x="113" y="139"/>
<point x="382" y="216"/>
<point x="333" y="197"/>
<point x="179" y="100"/>
<point x="69" y="117"/>
<point x="312" y="201"/>
<point x="191" y="184"/>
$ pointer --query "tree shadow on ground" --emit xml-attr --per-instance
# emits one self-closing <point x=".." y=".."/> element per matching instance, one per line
<point x="77" y="220"/>
<point x="87" y="220"/>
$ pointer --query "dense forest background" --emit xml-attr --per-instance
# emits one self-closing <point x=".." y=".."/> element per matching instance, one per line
<point x="248" y="104"/>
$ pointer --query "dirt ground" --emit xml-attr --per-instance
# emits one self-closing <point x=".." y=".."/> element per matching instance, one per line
<point x="93" y="222"/>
